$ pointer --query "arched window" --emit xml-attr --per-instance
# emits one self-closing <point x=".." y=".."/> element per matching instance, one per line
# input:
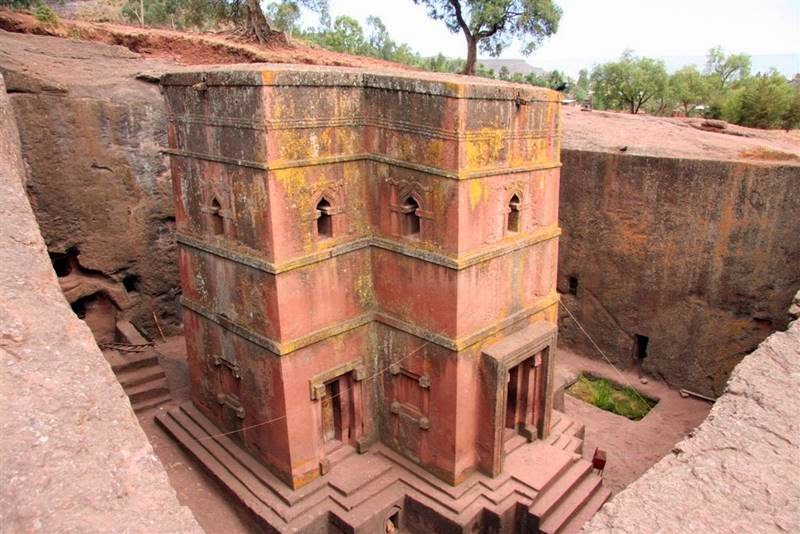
<point x="513" y="214"/>
<point x="324" y="219"/>
<point x="410" y="217"/>
<point x="217" y="222"/>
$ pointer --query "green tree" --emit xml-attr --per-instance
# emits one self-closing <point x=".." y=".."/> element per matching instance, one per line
<point x="630" y="82"/>
<point x="492" y="24"/>
<point x="557" y="81"/>
<point x="284" y="15"/>
<point x="582" y="86"/>
<point x="689" y="88"/>
<point x="504" y="74"/>
<point x="252" y="21"/>
<point x="763" y="101"/>
<point x="727" y="70"/>
<point x="379" y="41"/>
<point x="346" y="35"/>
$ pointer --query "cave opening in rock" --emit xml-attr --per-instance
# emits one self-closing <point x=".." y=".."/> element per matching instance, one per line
<point x="131" y="283"/>
<point x="99" y="313"/>
<point x="64" y="263"/>
<point x="640" y="343"/>
<point x="573" y="285"/>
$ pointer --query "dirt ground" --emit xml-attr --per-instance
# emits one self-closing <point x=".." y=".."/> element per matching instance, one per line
<point x="188" y="48"/>
<point x="632" y="446"/>
<point x="681" y="137"/>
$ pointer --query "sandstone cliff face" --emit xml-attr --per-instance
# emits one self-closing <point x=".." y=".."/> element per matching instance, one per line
<point x="72" y="455"/>
<point x="700" y="257"/>
<point x="91" y="136"/>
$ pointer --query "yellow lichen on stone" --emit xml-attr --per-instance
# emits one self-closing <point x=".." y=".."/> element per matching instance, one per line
<point x="433" y="151"/>
<point x="365" y="291"/>
<point x="476" y="192"/>
<point x="485" y="150"/>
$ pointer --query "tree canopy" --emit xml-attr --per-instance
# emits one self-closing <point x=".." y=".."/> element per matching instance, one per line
<point x="630" y="82"/>
<point x="689" y="88"/>
<point x="491" y="25"/>
<point x="727" y="69"/>
<point x="724" y="90"/>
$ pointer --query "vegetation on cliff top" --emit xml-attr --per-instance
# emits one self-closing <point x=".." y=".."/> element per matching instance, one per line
<point x="723" y="89"/>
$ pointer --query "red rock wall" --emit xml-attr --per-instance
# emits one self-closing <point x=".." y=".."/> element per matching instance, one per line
<point x="699" y="256"/>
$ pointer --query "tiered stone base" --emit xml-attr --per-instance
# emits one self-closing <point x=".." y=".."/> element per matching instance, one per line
<point x="545" y="486"/>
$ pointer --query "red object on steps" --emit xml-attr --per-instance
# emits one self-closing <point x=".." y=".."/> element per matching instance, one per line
<point x="599" y="459"/>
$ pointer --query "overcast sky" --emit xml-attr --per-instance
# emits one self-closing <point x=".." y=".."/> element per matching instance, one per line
<point x="595" y="31"/>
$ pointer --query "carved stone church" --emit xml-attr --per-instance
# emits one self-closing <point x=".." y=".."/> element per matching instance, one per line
<point x="368" y="263"/>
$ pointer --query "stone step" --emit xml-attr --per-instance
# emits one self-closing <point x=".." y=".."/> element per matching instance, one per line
<point x="150" y="404"/>
<point x="135" y="377"/>
<point x="577" y="497"/>
<point x="575" y="445"/>
<point x="126" y="361"/>
<point x="569" y="443"/>
<point x="547" y="500"/>
<point x="224" y="447"/>
<point x="147" y="390"/>
<point x="563" y="426"/>
<point x="129" y="333"/>
<point x="574" y="525"/>
<point x="363" y="489"/>
<point x="217" y="470"/>
<point x="249" y="488"/>
<point x="514" y="443"/>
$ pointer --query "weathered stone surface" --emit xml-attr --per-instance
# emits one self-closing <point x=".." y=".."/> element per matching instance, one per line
<point x="371" y="257"/>
<point x="91" y="136"/>
<point x="794" y="309"/>
<point x="274" y="299"/>
<point x="697" y="255"/>
<point x="72" y="455"/>
<point x="739" y="471"/>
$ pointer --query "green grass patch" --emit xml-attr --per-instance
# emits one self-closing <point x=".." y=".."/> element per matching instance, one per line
<point x="621" y="400"/>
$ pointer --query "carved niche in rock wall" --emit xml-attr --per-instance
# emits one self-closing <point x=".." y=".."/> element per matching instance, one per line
<point x="324" y="213"/>
<point x="409" y="209"/>
<point x="518" y="193"/>
<point x="217" y="212"/>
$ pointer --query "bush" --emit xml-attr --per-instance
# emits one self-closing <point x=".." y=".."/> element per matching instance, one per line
<point x="762" y="101"/>
<point x="45" y="14"/>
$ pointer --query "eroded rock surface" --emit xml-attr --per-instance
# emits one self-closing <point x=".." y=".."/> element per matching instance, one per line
<point x="72" y="455"/>
<point x="739" y="471"/>
<point x="697" y="256"/>
<point x="91" y="135"/>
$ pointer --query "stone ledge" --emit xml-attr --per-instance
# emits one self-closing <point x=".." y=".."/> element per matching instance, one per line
<point x="436" y="84"/>
<point x="353" y="158"/>
<point x="465" y="261"/>
<point x="283" y="348"/>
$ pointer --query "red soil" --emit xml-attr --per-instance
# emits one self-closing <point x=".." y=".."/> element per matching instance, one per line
<point x="188" y="48"/>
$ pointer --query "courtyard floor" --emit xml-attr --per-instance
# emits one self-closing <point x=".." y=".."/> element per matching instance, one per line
<point x="632" y="447"/>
